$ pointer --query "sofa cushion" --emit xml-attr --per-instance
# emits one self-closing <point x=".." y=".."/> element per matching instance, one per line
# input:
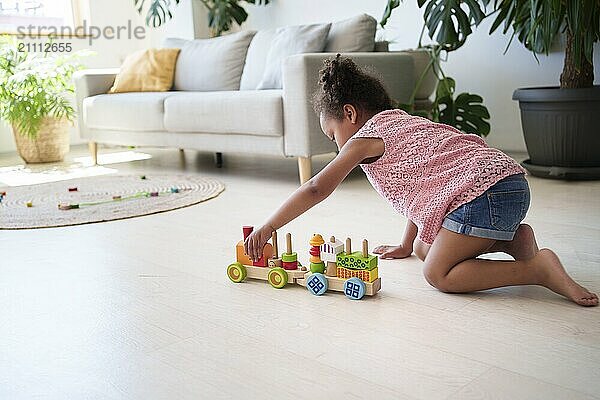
<point x="126" y="111"/>
<point x="211" y="64"/>
<point x="256" y="59"/>
<point x="150" y="70"/>
<point x="352" y="35"/>
<point x="240" y="112"/>
<point x="288" y="41"/>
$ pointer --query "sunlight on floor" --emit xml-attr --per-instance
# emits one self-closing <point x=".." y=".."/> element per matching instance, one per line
<point x="31" y="174"/>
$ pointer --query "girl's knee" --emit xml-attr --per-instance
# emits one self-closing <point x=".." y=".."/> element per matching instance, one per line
<point x="436" y="277"/>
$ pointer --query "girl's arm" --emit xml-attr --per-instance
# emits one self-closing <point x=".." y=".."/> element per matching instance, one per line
<point x="312" y="192"/>
<point x="410" y="233"/>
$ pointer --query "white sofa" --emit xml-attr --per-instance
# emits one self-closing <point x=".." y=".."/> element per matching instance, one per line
<point x="270" y="122"/>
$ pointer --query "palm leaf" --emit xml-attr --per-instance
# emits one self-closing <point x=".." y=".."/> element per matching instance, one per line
<point x="450" y="21"/>
<point x="388" y="11"/>
<point x="159" y="11"/>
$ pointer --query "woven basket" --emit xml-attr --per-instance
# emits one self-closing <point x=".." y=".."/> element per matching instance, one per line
<point x="51" y="143"/>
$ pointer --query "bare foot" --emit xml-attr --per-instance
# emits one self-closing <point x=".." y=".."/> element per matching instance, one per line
<point x="554" y="277"/>
<point x="386" y="251"/>
<point x="522" y="247"/>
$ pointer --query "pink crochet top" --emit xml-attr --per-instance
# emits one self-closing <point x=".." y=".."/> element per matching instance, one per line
<point x="428" y="169"/>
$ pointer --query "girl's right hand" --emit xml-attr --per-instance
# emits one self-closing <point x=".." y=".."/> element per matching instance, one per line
<point x="255" y="242"/>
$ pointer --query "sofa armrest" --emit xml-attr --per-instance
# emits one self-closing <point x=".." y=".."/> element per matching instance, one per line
<point x="302" y="132"/>
<point x="91" y="82"/>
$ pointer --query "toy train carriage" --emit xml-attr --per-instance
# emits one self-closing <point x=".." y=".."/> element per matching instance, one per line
<point x="355" y="274"/>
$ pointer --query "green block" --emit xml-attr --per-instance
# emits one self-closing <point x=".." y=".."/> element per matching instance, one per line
<point x="356" y="261"/>
<point x="317" y="267"/>
<point x="289" y="257"/>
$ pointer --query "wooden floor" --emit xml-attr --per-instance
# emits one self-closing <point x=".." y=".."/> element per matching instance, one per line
<point x="142" y="308"/>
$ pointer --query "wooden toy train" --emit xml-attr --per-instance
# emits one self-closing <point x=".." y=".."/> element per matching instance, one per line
<point x="331" y="267"/>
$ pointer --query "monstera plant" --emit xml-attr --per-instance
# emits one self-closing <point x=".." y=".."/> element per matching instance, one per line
<point x="464" y="111"/>
<point x="221" y="13"/>
<point x="561" y="124"/>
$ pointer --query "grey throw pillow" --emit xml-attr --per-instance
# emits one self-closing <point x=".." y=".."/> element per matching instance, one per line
<point x="289" y="41"/>
<point x="352" y="35"/>
<point x="210" y="64"/>
<point x="256" y="59"/>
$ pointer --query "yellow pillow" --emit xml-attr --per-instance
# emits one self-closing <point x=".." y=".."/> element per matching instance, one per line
<point x="150" y="70"/>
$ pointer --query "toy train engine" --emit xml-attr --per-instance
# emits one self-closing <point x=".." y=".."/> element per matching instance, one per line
<point x="277" y="271"/>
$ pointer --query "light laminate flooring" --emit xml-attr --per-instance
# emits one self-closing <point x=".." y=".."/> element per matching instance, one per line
<point x="142" y="308"/>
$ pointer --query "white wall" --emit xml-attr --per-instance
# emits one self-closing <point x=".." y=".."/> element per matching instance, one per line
<point x="479" y="67"/>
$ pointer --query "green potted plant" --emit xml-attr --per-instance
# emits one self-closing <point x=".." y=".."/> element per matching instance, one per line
<point x="464" y="111"/>
<point x="560" y="124"/>
<point x="34" y="92"/>
<point x="221" y="13"/>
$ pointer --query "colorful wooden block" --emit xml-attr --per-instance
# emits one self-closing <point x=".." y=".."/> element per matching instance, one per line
<point x="116" y="197"/>
<point x="289" y="257"/>
<point x="317" y="267"/>
<point x="29" y="204"/>
<point x="174" y="190"/>
<point x="365" y="275"/>
<point x="330" y="250"/>
<point x="331" y="269"/>
<point x="240" y="254"/>
<point x="72" y="189"/>
<point x="143" y="177"/>
<point x="153" y="194"/>
<point x="314" y="251"/>
<point x="356" y="261"/>
<point x="275" y="262"/>
<point x="267" y="254"/>
<point x="290" y="265"/>
<point x="316" y="240"/>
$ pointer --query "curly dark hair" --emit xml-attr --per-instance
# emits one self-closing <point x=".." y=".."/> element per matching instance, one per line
<point x="341" y="82"/>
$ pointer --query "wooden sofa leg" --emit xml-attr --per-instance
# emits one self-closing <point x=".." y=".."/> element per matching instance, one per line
<point x="305" y="169"/>
<point x="93" y="146"/>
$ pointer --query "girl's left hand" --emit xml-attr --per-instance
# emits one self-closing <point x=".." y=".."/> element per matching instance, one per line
<point x="256" y="241"/>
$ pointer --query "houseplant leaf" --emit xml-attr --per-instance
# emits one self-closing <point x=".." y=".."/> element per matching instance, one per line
<point x="465" y="112"/>
<point x="449" y="21"/>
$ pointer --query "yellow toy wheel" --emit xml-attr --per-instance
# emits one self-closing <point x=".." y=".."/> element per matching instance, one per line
<point x="236" y="272"/>
<point x="277" y="277"/>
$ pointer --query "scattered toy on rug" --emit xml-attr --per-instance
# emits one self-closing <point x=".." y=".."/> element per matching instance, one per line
<point x="114" y="198"/>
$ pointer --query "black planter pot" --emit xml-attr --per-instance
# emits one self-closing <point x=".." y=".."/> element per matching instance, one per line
<point x="562" y="131"/>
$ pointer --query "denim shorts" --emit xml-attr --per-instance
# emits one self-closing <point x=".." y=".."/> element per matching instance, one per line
<point x="496" y="214"/>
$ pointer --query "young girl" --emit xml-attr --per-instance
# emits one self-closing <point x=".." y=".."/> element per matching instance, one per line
<point x="462" y="198"/>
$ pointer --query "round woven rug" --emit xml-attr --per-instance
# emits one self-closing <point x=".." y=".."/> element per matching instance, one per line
<point x="96" y="199"/>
